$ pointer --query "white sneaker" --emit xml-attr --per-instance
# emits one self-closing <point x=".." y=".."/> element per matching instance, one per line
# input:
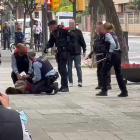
<point x="70" y="84"/>
<point x="79" y="84"/>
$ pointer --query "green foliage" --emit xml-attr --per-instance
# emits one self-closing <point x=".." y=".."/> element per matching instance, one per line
<point x="65" y="5"/>
<point x="133" y="5"/>
<point x="101" y="8"/>
<point x="67" y="8"/>
<point x="78" y="18"/>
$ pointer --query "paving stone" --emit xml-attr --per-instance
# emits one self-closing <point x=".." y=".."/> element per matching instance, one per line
<point x="57" y="136"/>
<point x="74" y="136"/>
<point x="91" y="136"/>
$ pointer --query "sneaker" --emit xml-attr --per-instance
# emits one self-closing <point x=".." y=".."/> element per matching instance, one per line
<point x="70" y="84"/>
<point x="102" y="93"/>
<point x="79" y="84"/>
<point x="123" y="94"/>
<point x="65" y="90"/>
<point x="55" y="87"/>
<point x="98" y="87"/>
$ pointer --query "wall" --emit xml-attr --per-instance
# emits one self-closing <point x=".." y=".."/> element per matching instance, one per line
<point x="129" y="22"/>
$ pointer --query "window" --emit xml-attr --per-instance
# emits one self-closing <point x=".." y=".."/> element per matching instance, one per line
<point x="36" y="14"/>
<point x="65" y="17"/>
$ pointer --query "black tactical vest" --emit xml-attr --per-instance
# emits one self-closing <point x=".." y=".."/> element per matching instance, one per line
<point x="10" y="125"/>
<point x="46" y="67"/>
<point x="22" y="62"/>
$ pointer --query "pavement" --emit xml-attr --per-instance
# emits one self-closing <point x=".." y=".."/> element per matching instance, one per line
<point x="79" y="114"/>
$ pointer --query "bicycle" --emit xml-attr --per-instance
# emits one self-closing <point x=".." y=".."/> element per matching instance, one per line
<point x="13" y="46"/>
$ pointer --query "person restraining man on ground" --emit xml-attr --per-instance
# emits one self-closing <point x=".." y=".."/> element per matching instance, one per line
<point x="75" y="54"/>
<point x="64" y="40"/>
<point x="20" y="63"/>
<point x="113" y="58"/>
<point x="99" y="55"/>
<point x="44" y="75"/>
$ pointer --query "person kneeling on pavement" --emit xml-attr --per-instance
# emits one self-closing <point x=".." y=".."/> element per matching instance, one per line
<point x="20" y="63"/>
<point x="44" y="75"/>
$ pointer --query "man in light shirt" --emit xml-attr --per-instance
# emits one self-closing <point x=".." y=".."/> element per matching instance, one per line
<point x="37" y="29"/>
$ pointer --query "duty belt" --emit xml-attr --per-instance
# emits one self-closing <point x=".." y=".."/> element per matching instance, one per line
<point x="60" y="49"/>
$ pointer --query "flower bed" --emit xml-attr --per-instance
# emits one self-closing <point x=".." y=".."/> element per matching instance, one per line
<point x="131" y="72"/>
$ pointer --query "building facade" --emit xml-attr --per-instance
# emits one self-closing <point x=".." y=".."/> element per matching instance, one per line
<point x="120" y="5"/>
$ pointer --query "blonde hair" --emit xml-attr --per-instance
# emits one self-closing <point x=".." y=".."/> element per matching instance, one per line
<point x="108" y="26"/>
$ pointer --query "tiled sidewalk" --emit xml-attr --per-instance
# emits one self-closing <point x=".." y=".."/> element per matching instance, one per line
<point x="80" y="115"/>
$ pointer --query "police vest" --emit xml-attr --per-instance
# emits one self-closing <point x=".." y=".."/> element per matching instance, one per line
<point x="46" y="67"/>
<point x="10" y="125"/>
<point x="99" y="45"/>
<point x="22" y="62"/>
<point x="107" y="44"/>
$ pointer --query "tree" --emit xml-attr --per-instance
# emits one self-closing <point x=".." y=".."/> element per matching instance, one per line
<point x="29" y="6"/>
<point x="113" y="18"/>
<point x="94" y="15"/>
<point x="133" y="5"/>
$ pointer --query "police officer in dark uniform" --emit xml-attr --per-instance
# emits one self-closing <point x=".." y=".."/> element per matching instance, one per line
<point x="64" y="40"/>
<point x="113" y="58"/>
<point x="99" y="55"/>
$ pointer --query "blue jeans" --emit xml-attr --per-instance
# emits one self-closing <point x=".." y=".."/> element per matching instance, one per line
<point x="77" y="62"/>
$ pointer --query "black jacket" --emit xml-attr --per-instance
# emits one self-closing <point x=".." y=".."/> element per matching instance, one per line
<point x="10" y="125"/>
<point x="80" y="42"/>
<point x="60" y="38"/>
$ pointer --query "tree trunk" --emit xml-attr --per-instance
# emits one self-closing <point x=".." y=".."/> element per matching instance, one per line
<point x="113" y="18"/>
<point x="24" y="24"/>
<point x="49" y="15"/>
<point x="94" y="13"/>
<point x="31" y="40"/>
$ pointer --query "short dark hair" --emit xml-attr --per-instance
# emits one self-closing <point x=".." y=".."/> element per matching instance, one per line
<point x="52" y="22"/>
<point x="100" y="23"/>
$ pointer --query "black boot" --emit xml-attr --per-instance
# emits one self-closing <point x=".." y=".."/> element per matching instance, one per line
<point x="98" y="87"/>
<point x="55" y="87"/>
<point x="60" y="89"/>
<point x="102" y="93"/>
<point x="123" y="94"/>
<point x="65" y="89"/>
<point x="109" y="87"/>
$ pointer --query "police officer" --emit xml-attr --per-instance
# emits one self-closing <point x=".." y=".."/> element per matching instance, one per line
<point x="113" y="58"/>
<point x="61" y="36"/>
<point x="44" y="75"/>
<point x="99" y="55"/>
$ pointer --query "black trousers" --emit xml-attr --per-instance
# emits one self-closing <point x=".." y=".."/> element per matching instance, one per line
<point x="7" y="40"/>
<point x="44" y="85"/>
<point x="116" y="63"/>
<point x="62" y="60"/>
<point x="37" y="41"/>
<point x="99" y="68"/>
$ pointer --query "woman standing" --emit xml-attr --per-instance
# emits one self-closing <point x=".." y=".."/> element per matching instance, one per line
<point x="113" y="58"/>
